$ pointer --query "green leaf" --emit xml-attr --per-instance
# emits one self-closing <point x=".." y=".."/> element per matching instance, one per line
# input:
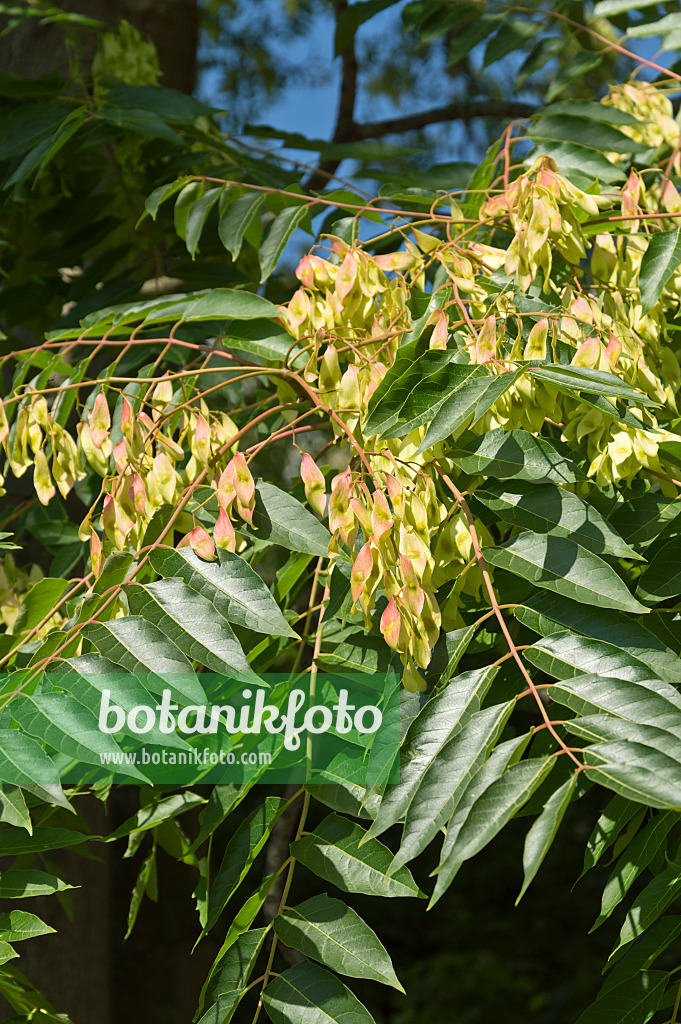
<point x="643" y="953"/>
<point x="411" y="392"/>
<point x="635" y="859"/>
<point x="611" y="8"/>
<point x="463" y="41"/>
<point x="466" y="406"/>
<point x="447" y="654"/>
<point x="670" y="23"/>
<point x="588" y="109"/>
<point x="546" y="613"/>
<point x="652" y="901"/>
<point x="501" y="757"/>
<point x="162" y="809"/>
<point x="307" y="994"/>
<point x="13" y="843"/>
<point x="230" y="977"/>
<point x="542" y="833"/>
<point x="145" y="879"/>
<point x="221" y="802"/>
<point x="241" y="851"/>
<point x="39" y="603"/>
<point x="594" y="134"/>
<point x="513" y="36"/>
<point x="618" y="813"/>
<point x="496" y="806"/>
<point x="86" y="677"/>
<point x="506" y="454"/>
<point x="16" y="884"/>
<point x="546" y="49"/>
<point x="7" y="953"/>
<point x="564" y="653"/>
<point x="545" y="508"/>
<point x="281" y="519"/>
<point x="276" y="237"/>
<point x="661" y="578"/>
<point x="197" y="216"/>
<point x="329" y="931"/>
<point x="243" y="920"/>
<point x="636" y="772"/>
<point x="23" y="762"/>
<point x="581" y="165"/>
<point x="355" y="651"/>
<point x="235" y="590"/>
<point x="441" y="718"/>
<point x="576" y="67"/>
<point x="189" y="620"/>
<point x="659" y="262"/>
<point x="235" y="218"/>
<point x="445" y="781"/>
<point x="230" y="304"/>
<point x="141" y="648"/>
<point x="632" y="1002"/>
<point x="333" y="852"/>
<point x="64" y="724"/>
<point x="264" y="339"/>
<point x="153" y="201"/>
<point x="13" y="809"/>
<point x="598" y="382"/>
<point x="18" y="925"/>
<point x="559" y="564"/>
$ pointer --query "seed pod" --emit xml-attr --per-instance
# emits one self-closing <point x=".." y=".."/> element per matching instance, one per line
<point x="613" y="351"/>
<point x="397" y="261"/>
<point x="166" y="477"/>
<point x="162" y="394"/>
<point x="244" y="485"/>
<point x="329" y="376"/>
<point x="226" y="491"/>
<point x="486" y="344"/>
<point x="381" y="520"/>
<point x="4" y="425"/>
<point x="199" y="440"/>
<point x="95" y="554"/>
<point x="536" y="342"/>
<point x="137" y="494"/>
<point x="438" y="339"/>
<point x="170" y="446"/>
<point x="127" y="419"/>
<point x="314" y="483"/>
<point x="65" y="467"/>
<point x="588" y="353"/>
<point x="341" y="517"/>
<point x="391" y="624"/>
<point x="97" y="458"/>
<point x="346" y="276"/>
<point x="223" y="532"/>
<point x="99" y="421"/>
<point x="201" y="542"/>
<point x="298" y="311"/>
<point x="361" y="570"/>
<point x="412" y="593"/>
<point x="42" y="481"/>
<point x="412" y="680"/>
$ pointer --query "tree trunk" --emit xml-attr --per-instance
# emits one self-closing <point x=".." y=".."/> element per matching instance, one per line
<point x="33" y="49"/>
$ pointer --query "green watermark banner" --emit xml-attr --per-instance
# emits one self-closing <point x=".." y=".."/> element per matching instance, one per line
<point x="338" y="729"/>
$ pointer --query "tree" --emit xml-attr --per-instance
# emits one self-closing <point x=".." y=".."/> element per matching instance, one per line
<point x="477" y="410"/>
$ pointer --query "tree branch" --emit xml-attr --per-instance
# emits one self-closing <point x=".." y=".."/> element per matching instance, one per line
<point x="345" y="120"/>
<point x="465" y="111"/>
<point x="468" y="110"/>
